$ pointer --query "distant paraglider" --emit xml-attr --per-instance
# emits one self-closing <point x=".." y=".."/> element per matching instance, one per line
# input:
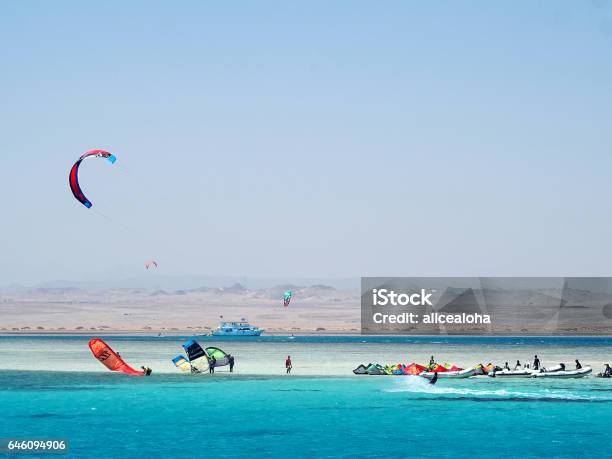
<point x="73" y="178"/>
<point x="151" y="264"/>
<point x="287" y="297"/>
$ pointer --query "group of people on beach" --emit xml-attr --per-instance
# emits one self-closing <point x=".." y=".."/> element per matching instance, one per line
<point x="212" y="362"/>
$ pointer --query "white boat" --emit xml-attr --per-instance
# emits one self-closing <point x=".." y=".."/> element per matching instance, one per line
<point x="241" y="328"/>
<point x="450" y="374"/>
<point x="554" y="373"/>
<point x="521" y="373"/>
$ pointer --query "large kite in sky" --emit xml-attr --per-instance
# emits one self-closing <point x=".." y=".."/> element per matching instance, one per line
<point x="73" y="178"/>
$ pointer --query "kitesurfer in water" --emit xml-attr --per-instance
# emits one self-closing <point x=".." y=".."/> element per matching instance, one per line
<point x="536" y="363"/>
<point x="434" y="379"/>
<point x="607" y="371"/>
<point x="288" y="364"/>
<point x="578" y="365"/>
<point x="211" y="364"/>
<point x="147" y="371"/>
<point x="230" y="359"/>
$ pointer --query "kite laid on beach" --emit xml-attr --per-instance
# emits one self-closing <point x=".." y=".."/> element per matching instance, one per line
<point x="73" y="178"/>
<point x="181" y="362"/>
<point x="221" y="357"/>
<point x="200" y="358"/>
<point x="112" y="360"/>
<point x="196" y="354"/>
<point x="287" y="297"/>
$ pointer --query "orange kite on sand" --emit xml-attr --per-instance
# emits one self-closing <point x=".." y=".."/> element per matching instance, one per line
<point x="112" y="360"/>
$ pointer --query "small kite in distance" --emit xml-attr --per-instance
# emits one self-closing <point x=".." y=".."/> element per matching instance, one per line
<point x="287" y="298"/>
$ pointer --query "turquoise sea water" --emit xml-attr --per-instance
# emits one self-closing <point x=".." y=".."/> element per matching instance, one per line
<point x="103" y="414"/>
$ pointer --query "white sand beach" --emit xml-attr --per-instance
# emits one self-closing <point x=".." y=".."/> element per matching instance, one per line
<point x="316" y="357"/>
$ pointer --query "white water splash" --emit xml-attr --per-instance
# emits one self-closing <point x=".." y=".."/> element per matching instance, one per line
<point x="417" y="384"/>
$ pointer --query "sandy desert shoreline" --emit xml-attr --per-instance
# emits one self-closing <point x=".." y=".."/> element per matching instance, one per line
<point x="280" y="333"/>
<point x="156" y="333"/>
<point x="317" y="310"/>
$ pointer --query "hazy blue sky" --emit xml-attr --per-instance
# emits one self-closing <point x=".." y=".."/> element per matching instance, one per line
<point x="321" y="139"/>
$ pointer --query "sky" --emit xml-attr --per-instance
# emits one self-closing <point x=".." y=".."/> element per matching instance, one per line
<point x="313" y="139"/>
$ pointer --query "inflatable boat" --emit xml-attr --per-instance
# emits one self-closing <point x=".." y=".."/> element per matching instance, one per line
<point x="522" y="373"/>
<point x="560" y="373"/>
<point x="450" y="374"/>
